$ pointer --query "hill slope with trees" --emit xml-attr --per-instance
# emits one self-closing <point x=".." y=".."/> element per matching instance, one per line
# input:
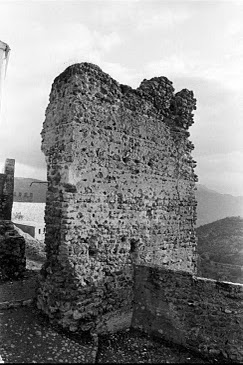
<point x="220" y="249"/>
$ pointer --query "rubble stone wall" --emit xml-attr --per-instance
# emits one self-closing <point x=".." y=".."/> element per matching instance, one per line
<point x="120" y="192"/>
<point x="12" y="245"/>
<point x="202" y="314"/>
<point x="7" y="189"/>
<point x="12" y="252"/>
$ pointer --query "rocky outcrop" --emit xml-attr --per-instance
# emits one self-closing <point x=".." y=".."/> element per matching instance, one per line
<point x="120" y="191"/>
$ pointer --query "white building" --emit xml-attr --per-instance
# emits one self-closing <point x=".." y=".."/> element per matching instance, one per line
<point x="34" y="229"/>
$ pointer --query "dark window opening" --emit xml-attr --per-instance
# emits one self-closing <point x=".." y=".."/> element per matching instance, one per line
<point x="134" y="245"/>
<point x="125" y="159"/>
<point x="92" y="251"/>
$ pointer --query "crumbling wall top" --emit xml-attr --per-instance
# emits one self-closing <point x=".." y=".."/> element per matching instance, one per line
<point x="174" y="107"/>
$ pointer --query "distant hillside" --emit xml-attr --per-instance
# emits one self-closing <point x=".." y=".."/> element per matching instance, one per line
<point x="213" y="206"/>
<point x="24" y="191"/>
<point x="220" y="249"/>
<point x="222" y="240"/>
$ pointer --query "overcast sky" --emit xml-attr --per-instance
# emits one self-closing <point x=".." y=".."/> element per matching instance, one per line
<point x="198" y="45"/>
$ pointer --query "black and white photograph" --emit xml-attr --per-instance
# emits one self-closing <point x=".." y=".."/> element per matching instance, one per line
<point x="121" y="181"/>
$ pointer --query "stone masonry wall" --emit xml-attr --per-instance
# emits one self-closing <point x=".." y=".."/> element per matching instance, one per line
<point x="12" y="245"/>
<point x="120" y="191"/>
<point x="7" y="189"/>
<point x="12" y="252"/>
<point x="201" y="314"/>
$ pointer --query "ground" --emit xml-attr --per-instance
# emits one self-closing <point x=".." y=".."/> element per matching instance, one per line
<point x="27" y="336"/>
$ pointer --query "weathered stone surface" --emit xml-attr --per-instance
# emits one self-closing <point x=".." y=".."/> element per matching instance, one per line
<point x="12" y="245"/>
<point x="120" y="191"/>
<point x="12" y="252"/>
<point x="201" y="314"/>
<point x="7" y="189"/>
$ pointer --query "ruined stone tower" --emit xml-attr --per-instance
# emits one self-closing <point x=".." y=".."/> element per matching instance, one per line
<point x="120" y="192"/>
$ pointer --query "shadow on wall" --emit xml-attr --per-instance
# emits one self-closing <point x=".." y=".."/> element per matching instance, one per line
<point x="201" y="314"/>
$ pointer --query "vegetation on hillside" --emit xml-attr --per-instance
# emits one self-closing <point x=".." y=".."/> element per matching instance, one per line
<point x="220" y="249"/>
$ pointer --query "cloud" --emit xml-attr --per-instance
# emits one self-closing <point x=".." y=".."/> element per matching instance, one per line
<point x="227" y="162"/>
<point x="196" y="44"/>
<point x="23" y="170"/>
<point x="170" y="65"/>
<point x="228" y="71"/>
<point x="33" y="65"/>
<point x="114" y="12"/>
<point x="222" y="172"/>
<point x="165" y="19"/>
<point x="122" y="74"/>
<point x="107" y="41"/>
<point x="235" y="27"/>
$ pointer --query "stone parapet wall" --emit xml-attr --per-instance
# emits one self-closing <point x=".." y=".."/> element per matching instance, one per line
<point x="120" y="191"/>
<point x="220" y="271"/>
<point x="201" y="314"/>
<point x="12" y="252"/>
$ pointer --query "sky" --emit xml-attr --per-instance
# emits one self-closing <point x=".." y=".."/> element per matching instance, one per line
<point x="198" y="45"/>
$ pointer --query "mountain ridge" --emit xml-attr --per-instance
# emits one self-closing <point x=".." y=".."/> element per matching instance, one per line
<point x="220" y="249"/>
<point x="213" y="206"/>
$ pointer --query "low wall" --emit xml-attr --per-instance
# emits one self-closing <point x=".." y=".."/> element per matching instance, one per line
<point x="220" y="271"/>
<point x="25" y="228"/>
<point x="201" y="314"/>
